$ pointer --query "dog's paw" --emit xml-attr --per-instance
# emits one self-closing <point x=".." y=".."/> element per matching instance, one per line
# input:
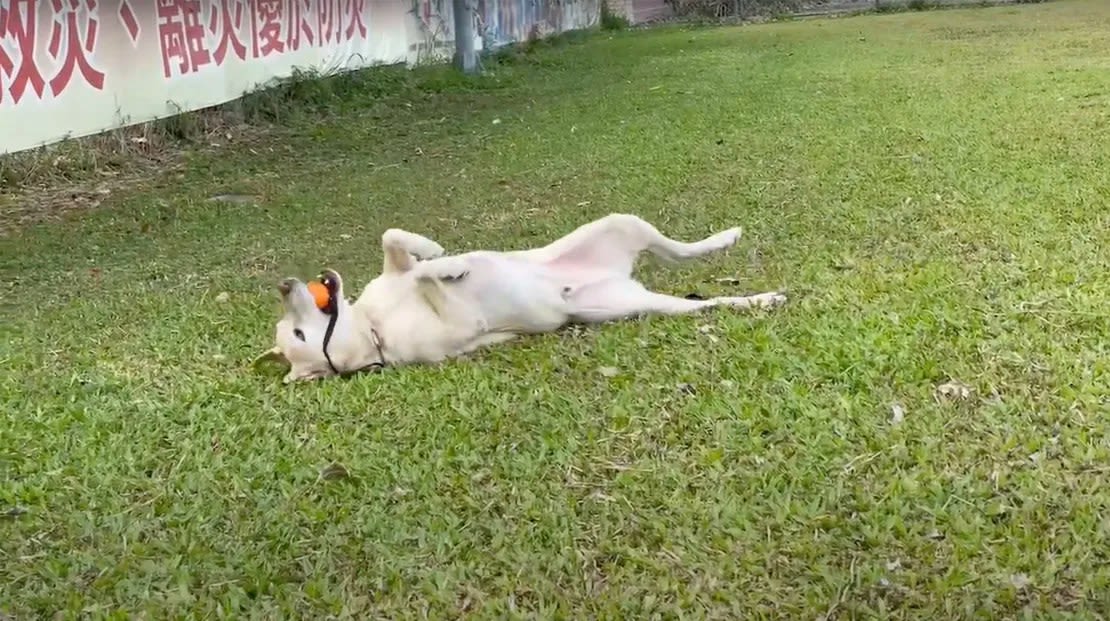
<point x="429" y="250"/>
<point x="768" y="300"/>
<point x="447" y="269"/>
<point x="761" y="300"/>
<point x="727" y="238"/>
<point x="453" y="277"/>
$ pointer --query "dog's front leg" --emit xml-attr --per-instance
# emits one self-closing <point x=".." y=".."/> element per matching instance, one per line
<point x="431" y="278"/>
<point x="400" y="246"/>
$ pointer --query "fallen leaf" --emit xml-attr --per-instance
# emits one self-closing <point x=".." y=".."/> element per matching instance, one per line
<point x="223" y="297"/>
<point x="609" y="371"/>
<point x="479" y="476"/>
<point x="1020" y="581"/>
<point x="238" y="199"/>
<point x="728" y="384"/>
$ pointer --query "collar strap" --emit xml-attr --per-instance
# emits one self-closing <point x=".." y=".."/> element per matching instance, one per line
<point x="374" y="367"/>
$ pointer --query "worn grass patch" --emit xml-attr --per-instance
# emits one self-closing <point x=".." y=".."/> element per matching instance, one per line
<point x="931" y="187"/>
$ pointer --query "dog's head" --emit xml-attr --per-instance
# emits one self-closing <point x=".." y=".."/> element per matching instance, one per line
<point x="318" y="335"/>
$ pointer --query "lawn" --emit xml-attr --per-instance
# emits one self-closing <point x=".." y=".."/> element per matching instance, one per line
<point x="921" y="432"/>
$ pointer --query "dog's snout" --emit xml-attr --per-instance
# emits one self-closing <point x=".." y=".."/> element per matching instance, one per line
<point x="285" y="286"/>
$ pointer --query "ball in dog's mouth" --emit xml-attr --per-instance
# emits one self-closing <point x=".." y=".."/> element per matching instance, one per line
<point x="320" y="294"/>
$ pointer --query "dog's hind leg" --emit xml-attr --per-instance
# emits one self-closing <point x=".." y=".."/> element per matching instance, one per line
<point x="614" y="242"/>
<point x="623" y="298"/>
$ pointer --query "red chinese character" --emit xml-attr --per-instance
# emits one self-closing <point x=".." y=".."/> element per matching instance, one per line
<point x="6" y="65"/>
<point x="266" y="16"/>
<point x="181" y="35"/>
<point x="78" y="46"/>
<point x="355" y="10"/>
<point x="327" y="17"/>
<point x="298" y="23"/>
<point x="20" y="21"/>
<point x="228" y="30"/>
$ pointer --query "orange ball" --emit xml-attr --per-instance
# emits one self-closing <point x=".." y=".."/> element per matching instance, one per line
<point x="319" y="294"/>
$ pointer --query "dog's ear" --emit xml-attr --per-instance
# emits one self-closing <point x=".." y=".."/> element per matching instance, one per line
<point x="273" y="354"/>
<point x="302" y="375"/>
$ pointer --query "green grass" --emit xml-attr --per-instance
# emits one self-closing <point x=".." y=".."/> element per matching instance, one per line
<point x="931" y="187"/>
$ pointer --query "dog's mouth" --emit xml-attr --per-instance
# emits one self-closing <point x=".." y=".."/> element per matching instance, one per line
<point x="329" y="278"/>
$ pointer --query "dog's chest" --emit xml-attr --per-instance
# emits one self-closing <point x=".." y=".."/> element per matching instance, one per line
<point x="411" y="329"/>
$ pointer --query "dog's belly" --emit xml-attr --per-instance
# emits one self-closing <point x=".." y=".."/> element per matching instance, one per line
<point x="521" y="296"/>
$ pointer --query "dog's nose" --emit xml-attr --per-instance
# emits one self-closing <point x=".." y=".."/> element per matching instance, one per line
<point x="285" y="286"/>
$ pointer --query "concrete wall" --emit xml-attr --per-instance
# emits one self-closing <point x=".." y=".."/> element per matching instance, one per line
<point x="71" y="68"/>
<point x="642" y="11"/>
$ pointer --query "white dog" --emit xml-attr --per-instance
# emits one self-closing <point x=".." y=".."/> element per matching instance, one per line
<point x="426" y="307"/>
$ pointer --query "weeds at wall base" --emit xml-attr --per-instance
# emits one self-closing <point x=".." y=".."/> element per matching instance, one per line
<point x="104" y="160"/>
<point x="611" y="20"/>
<point x="78" y="174"/>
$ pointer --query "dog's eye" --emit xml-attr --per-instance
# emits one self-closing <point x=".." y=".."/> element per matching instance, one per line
<point x="297" y="333"/>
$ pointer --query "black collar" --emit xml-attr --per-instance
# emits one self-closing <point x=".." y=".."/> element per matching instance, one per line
<point x="332" y="310"/>
<point x="373" y="367"/>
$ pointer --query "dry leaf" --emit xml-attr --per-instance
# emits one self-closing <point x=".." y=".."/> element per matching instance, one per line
<point x="608" y="371"/>
<point x="335" y="471"/>
<point x="897" y="414"/>
<point x="223" y="297"/>
<point x="953" y="390"/>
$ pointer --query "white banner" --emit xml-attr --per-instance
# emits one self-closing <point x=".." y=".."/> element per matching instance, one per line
<point x="71" y="68"/>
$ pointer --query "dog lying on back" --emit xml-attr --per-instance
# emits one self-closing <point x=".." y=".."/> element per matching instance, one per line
<point x="426" y="307"/>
